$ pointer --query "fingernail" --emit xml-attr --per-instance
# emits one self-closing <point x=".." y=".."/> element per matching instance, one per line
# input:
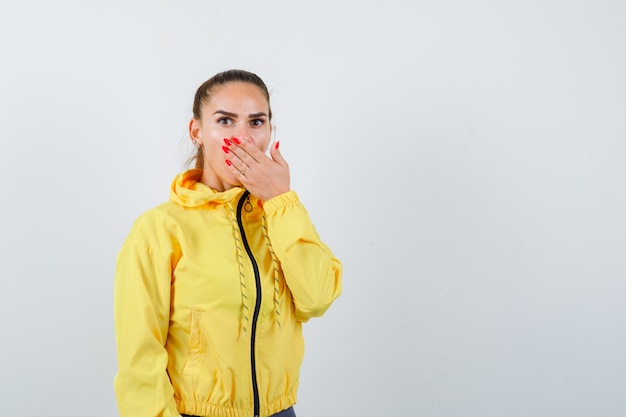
<point x="225" y="149"/>
<point x="277" y="143"/>
<point x="227" y="142"/>
<point x="228" y="162"/>
<point x="237" y="141"/>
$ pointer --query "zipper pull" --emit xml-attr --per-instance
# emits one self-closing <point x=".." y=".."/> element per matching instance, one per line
<point x="248" y="208"/>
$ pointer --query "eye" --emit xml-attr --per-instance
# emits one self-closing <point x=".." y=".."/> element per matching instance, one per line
<point x="227" y="121"/>
<point x="257" y="122"/>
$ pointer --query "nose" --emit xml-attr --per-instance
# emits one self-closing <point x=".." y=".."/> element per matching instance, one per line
<point x="243" y="131"/>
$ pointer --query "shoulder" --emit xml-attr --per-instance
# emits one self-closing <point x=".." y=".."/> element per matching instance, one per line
<point x="155" y="232"/>
<point x="153" y="222"/>
<point x="158" y="213"/>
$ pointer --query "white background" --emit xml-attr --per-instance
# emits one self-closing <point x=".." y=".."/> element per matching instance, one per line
<point x="464" y="159"/>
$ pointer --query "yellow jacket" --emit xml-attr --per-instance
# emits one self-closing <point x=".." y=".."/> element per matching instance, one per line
<point x="211" y="289"/>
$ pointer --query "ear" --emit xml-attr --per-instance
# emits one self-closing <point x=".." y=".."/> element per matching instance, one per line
<point x="194" y="131"/>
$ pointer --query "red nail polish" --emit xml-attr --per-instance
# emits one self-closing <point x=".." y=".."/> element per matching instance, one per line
<point x="228" y="162"/>
<point x="227" y="142"/>
<point x="225" y="149"/>
<point x="277" y="143"/>
<point x="237" y="141"/>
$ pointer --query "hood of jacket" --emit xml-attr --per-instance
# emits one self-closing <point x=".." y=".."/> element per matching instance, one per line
<point x="188" y="190"/>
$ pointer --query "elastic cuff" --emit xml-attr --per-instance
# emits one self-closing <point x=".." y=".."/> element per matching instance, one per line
<point x="290" y="198"/>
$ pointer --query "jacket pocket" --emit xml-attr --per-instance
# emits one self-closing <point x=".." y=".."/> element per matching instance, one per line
<point x="197" y="348"/>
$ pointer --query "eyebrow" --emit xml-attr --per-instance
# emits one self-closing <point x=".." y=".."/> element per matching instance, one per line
<point x="234" y="115"/>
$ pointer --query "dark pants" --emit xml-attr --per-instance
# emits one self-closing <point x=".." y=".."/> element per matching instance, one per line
<point x="285" y="413"/>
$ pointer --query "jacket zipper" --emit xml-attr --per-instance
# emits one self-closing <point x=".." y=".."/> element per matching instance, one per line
<point x="257" y="306"/>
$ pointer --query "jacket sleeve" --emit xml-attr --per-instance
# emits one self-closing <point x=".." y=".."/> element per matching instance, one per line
<point x="141" y="315"/>
<point x="311" y="271"/>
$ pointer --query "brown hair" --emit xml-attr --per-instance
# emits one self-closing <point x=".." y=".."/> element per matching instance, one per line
<point x="203" y="95"/>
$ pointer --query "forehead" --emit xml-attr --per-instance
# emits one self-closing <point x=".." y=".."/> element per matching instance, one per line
<point x="238" y="94"/>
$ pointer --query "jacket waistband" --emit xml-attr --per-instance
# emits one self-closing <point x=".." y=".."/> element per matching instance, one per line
<point x="285" y="413"/>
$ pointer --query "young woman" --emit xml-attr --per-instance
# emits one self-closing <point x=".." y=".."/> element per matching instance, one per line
<point x="212" y="287"/>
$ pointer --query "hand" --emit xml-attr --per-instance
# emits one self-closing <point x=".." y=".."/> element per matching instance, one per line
<point x="263" y="176"/>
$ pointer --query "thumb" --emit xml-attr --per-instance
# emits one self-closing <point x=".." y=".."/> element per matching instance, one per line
<point x="276" y="155"/>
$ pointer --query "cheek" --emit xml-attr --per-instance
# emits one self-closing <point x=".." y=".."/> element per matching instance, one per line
<point x="212" y="133"/>
<point x="213" y="139"/>
<point x="265" y="136"/>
